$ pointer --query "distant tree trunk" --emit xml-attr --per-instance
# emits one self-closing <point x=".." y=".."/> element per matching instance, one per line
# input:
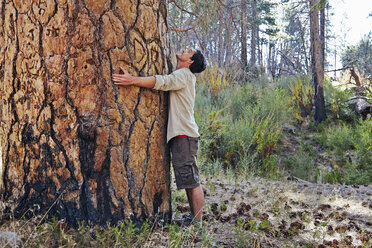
<point x="316" y="62"/>
<point x="308" y="69"/>
<point x="72" y="143"/>
<point x="244" y="35"/>
<point x="227" y="44"/>
<point x="254" y="32"/>
<point x="269" y="59"/>
<point x="220" y="51"/>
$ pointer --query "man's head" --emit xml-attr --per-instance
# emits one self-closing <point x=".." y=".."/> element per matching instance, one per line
<point x="192" y="59"/>
<point x="199" y="63"/>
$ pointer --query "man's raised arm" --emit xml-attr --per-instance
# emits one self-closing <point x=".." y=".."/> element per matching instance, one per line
<point x="126" y="80"/>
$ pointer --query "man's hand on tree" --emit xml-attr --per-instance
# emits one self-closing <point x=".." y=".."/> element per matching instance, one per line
<point x="123" y="79"/>
<point x="126" y="80"/>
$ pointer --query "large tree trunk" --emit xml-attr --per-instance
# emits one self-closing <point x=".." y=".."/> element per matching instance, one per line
<point x="72" y="143"/>
<point x="316" y="62"/>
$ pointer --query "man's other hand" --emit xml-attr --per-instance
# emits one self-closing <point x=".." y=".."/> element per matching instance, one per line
<point x="124" y="79"/>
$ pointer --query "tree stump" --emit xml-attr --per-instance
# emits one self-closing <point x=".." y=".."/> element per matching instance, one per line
<point x="72" y="144"/>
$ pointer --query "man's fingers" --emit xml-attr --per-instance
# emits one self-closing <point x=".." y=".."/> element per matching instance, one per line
<point x="123" y="70"/>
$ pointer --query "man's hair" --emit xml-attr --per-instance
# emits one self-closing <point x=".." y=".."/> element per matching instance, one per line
<point x="199" y="63"/>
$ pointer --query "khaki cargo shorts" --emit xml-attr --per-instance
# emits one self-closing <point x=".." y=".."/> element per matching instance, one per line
<point x="184" y="156"/>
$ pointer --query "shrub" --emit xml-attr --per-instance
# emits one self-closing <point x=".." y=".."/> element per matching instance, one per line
<point x="339" y="141"/>
<point x="337" y="105"/>
<point x="241" y="125"/>
<point x="301" y="165"/>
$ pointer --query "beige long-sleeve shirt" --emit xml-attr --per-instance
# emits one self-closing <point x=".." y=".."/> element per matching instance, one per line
<point x="181" y="84"/>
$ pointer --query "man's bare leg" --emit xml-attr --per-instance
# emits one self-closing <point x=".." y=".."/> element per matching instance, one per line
<point x="195" y="197"/>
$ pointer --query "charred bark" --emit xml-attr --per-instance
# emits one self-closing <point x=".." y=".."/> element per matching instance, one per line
<point x="317" y="63"/>
<point x="73" y="144"/>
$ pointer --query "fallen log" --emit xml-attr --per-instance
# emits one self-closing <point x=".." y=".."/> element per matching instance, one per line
<point x="363" y="107"/>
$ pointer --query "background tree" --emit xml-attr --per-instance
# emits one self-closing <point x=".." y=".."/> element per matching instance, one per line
<point x="243" y="35"/>
<point x="254" y="31"/>
<point x="359" y="55"/>
<point x="317" y="63"/>
<point x="72" y="143"/>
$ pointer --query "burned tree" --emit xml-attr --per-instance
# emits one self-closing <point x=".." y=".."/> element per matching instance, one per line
<point x="71" y="142"/>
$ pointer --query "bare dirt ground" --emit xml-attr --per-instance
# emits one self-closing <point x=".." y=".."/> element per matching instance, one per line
<point x="255" y="212"/>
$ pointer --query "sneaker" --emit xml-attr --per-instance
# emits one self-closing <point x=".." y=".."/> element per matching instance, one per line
<point x="183" y="222"/>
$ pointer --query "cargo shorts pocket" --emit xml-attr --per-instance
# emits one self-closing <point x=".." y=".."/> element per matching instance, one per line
<point x="185" y="175"/>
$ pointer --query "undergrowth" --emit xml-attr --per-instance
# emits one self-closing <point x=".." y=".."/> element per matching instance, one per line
<point x="241" y="126"/>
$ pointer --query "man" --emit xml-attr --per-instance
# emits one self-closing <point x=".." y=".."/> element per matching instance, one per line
<point x="182" y="132"/>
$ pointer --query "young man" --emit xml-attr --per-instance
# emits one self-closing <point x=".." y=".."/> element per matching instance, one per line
<point x="182" y="132"/>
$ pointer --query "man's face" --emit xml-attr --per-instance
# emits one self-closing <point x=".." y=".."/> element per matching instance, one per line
<point x="185" y="55"/>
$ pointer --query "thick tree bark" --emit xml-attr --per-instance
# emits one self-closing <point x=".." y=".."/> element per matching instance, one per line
<point x="72" y="143"/>
<point x="316" y="62"/>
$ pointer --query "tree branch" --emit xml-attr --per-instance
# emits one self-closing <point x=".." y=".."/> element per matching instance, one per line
<point x="225" y="5"/>
<point x="183" y="30"/>
<point x="181" y="8"/>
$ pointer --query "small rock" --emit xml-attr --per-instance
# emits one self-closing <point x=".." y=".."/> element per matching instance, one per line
<point x="225" y="218"/>
<point x="324" y="207"/>
<point x="298" y="225"/>
<point x="10" y="238"/>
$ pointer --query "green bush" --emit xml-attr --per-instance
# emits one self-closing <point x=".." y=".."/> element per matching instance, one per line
<point x="340" y="141"/>
<point x="241" y="128"/>
<point x="301" y="165"/>
<point x="337" y="103"/>
<point x="241" y="125"/>
<point x="363" y="145"/>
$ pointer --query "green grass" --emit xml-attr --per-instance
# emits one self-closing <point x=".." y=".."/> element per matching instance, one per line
<point x="240" y="125"/>
<point x="241" y="129"/>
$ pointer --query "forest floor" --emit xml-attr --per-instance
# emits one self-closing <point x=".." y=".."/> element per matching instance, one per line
<point x="239" y="212"/>
<point x="254" y="212"/>
<point x="280" y="214"/>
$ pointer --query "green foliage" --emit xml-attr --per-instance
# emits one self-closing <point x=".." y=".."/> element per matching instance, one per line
<point x="337" y="104"/>
<point x="301" y="165"/>
<point x="175" y="236"/>
<point x="342" y="140"/>
<point x="83" y="237"/>
<point x="240" y="235"/>
<point x="302" y="97"/>
<point x="339" y="141"/>
<point x="363" y="145"/>
<point x="359" y="55"/>
<point x="241" y="125"/>
<point x="265" y="225"/>
<point x="241" y="129"/>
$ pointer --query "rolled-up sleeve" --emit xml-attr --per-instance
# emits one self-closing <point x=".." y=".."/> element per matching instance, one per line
<point x="174" y="81"/>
